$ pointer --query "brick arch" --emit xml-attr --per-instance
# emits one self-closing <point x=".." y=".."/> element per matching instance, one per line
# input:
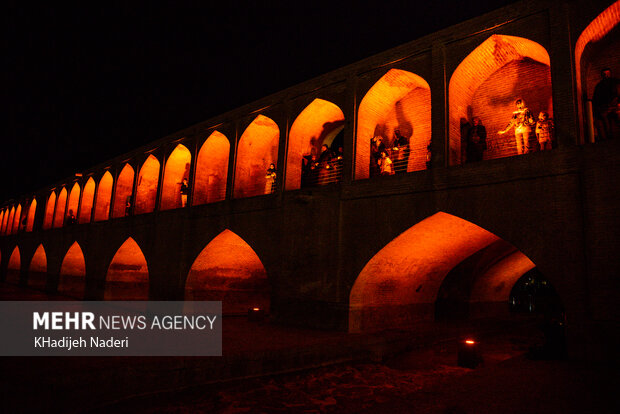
<point x="3" y="217"/>
<point x="127" y="277"/>
<point x="212" y="169"/>
<point x="228" y="269"/>
<point x="59" y="211"/>
<point x="37" y="271"/>
<point x="257" y="149"/>
<point x="74" y="200"/>
<point x="104" y="197"/>
<point x="16" y="219"/>
<point x="32" y="210"/>
<point x="176" y="170"/>
<point x="14" y="266"/>
<point x="123" y="192"/>
<point x="88" y="198"/>
<point x="49" y="211"/>
<point x="487" y="83"/>
<point x="317" y="124"/>
<point x="399" y="100"/>
<point x="146" y="190"/>
<point x="72" y="279"/>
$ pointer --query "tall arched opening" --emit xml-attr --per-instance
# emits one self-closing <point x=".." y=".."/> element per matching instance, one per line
<point x="212" y="170"/>
<point x="176" y="172"/>
<point x="148" y="180"/>
<point x="595" y="50"/>
<point x="124" y="191"/>
<point x="88" y="197"/>
<point x="257" y="150"/>
<point x="72" y="281"/>
<point x="59" y="212"/>
<point x="48" y="219"/>
<point x="2" y="222"/>
<point x="74" y="202"/>
<point x="17" y="219"/>
<point x="31" y="214"/>
<point x="9" y="223"/>
<point x="13" y="267"/>
<point x="307" y="163"/>
<point x="128" y="275"/>
<point x="399" y="101"/>
<point x="37" y="272"/>
<point x="228" y="270"/>
<point x="486" y="86"/>
<point x="104" y="197"/>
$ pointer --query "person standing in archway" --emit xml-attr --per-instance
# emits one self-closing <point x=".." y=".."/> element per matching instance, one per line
<point x="605" y="102"/>
<point x="523" y="121"/>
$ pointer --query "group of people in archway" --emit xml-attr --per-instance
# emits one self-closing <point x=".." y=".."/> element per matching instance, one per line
<point x="391" y="160"/>
<point x="323" y="169"/>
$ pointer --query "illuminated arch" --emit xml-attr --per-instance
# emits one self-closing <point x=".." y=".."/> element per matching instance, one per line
<point x="16" y="219"/>
<point x="400" y="284"/>
<point x="59" y="212"/>
<point x="603" y="33"/>
<point x="87" y="201"/>
<point x="2" y="221"/>
<point x="72" y="280"/>
<point x="128" y="274"/>
<point x="212" y="170"/>
<point x="258" y="147"/>
<point x="31" y="213"/>
<point x="319" y="123"/>
<point x="37" y="272"/>
<point x="49" y="211"/>
<point x="176" y="169"/>
<point x="104" y="197"/>
<point x="227" y="269"/>
<point x="14" y="266"/>
<point x="74" y="201"/>
<point x="146" y="192"/>
<point x="124" y="190"/>
<point x="400" y="100"/>
<point x="9" y="223"/>
<point x="487" y="83"/>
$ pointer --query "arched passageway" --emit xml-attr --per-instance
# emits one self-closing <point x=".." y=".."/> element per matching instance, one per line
<point x="59" y="212"/>
<point x="228" y="270"/>
<point x="49" y="211"/>
<point x="595" y="50"/>
<point x="9" y="222"/>
<point x="308" y="163"/>
<point x="257" y="150"/>
<point x="485" y="86"/>
<point x="176" y="179"/>
<point x="148" y="180"/>
<point x="72" y="280"/>
<point x="88" y="197"/>
<point x="14" y="266"/>
<point x="104" y="197"/>
<point x="212" y="170"/>
<point x="31" y="213"/>
<point x="399" y="101"/>
<point x="37" y="272"/>
<point x="124" y="192"/>
<point x="128" y="275"/>
<point x="72" y="206"/>
<point x="3" y="218"/>
<point x="17" y="219"/>
<point x="443" y="268"/>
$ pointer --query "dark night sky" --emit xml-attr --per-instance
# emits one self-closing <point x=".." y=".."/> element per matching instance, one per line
<point x="82" y="85"/>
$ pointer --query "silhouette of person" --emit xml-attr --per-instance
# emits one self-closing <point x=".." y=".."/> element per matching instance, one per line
<point x="476" y="141"/>
<point x="606" y="105"/>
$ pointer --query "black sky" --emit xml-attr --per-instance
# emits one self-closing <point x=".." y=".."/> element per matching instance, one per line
<point x="82" y="85"/>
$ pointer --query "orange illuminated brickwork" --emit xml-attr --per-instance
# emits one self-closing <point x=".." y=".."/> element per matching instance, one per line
<point x="212" y="170"/>
<point x="74" y="201"/>
<point x="104" y="197"/>
<point x="318" y="124"/>
<point x="258" y="148"/>
<point x="400" y="100"/>
<point x="72" y="280"/>
<point x="17" y="219"/>
<point x="9" y="223"/>
<point x="176" y="170"/>
<point x="31" y="213"/>
<point x="14" y="266"/>
<point x="37" y="272"/>
<point x="124" y="191"/>
<point x="146" y="191"/>
<point x="228" y="270"/>
<point x="128" y="275"/>
<point x="59" y="212"/>
<point x="49" y="211"/>
<point x="486" y="85"/>
<point x="88" y="197"/>
<point x="2" y="222"/>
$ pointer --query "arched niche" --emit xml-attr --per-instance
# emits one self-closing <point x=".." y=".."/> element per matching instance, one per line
<point x="17" y="219"/>
<point x="48" y="219"/>
<point x="2" y="221"/>
<point x="74" y="202"/>
<point x="212" y="170"/>
<point x="486" y="85"/>
<point x="13" y="267"/>
<point x="596" y="49"/>
<point x="104" y="197"/>
<point x="399" y="100"/>
<point x="72" y="281"/>
<point x="229" y="270"/>
<point x="148" y="180"/>
<point x="127" y="277"/>
<point x="176" y="170"/>
<point x="9" y="223"/>
<point x="317" y="125"/>
<point x="124" y="191"/>
<point x="88" y="198"/>
<point x="257" y="149"/>
<point x="31" y="214"/>
<point x="37" y="272"/>
<point x="59" y="212"/>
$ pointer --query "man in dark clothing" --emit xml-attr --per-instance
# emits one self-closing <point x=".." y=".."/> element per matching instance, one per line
<point x="476" y="141"/>
<point x="605" y="105"/>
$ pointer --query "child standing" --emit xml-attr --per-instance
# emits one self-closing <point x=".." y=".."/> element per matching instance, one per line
<point x="544" y="131"/>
